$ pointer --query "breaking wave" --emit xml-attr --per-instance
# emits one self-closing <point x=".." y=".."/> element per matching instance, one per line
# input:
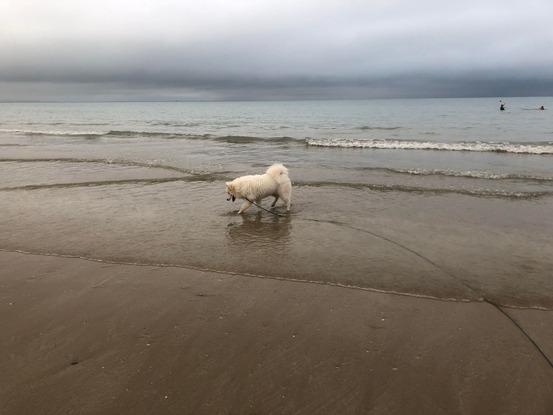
<point x="54" y="132"/>
<point x="66" y="123"/>
<point x="516" y="148"/>
<point x="232" y="139"/>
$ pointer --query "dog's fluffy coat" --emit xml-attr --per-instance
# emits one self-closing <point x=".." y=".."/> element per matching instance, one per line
<point x="275" y="182"/>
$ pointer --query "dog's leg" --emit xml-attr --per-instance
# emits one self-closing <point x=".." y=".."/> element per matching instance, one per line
<point x="287" y="198"/>
<point x="286" y="202"/>
<point x="244" y="206"/>
<point x="274" y="201"/>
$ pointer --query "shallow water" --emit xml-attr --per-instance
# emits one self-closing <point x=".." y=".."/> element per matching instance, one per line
<point x="377" y="206"/>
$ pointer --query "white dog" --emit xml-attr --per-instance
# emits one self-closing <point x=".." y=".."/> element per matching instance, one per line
<point x="275" y="182"/>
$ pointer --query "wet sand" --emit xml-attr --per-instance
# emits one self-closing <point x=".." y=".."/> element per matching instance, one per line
<point x="85" y="337"/>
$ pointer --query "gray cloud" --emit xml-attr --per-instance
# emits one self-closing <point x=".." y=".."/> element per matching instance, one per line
<point x="251" y="49"/>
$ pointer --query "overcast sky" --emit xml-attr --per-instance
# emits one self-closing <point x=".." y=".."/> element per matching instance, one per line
<point x="273" y="49"/>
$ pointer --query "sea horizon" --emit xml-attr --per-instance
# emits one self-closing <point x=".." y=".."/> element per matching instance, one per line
<point x="91" y="101"/>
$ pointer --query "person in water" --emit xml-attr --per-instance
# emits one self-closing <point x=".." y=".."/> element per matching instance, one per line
<point x="502" y="107"/>
<point x="542" y="108"/>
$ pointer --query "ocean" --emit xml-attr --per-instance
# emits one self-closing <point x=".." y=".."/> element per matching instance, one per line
<point x="444" y="198"/>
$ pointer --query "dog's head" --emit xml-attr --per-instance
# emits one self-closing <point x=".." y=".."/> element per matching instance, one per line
<point x="231" y="192"/>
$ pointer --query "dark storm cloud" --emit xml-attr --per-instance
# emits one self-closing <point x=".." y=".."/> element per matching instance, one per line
<point x="274" y="49"/>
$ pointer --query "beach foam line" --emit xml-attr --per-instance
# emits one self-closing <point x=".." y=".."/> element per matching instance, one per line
<point x="475" y="174"/>
<point x="214" y="177"/>
<point x="202" y="176"/>
<point x="191" y="174"/>
<point x="127" y="163"/>
<point x="422" y="296"/>
<point x="477" y="146"/>
<point x="93" y="184"/>
<point x="486" y="193"/>
<point x="245" y="274"/>
<point x="96" y="183"/>
<point x="469" y="174"/>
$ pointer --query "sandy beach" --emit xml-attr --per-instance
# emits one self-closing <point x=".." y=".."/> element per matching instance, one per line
<point x="88" y="337"/>
<point x="402" y="281"/>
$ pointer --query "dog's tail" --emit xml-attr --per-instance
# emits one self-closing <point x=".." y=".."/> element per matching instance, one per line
<point x="277" y="171"/>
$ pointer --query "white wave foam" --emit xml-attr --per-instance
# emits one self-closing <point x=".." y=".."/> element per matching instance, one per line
<point x="473" y="174"/>
<point x="516" y="148"/>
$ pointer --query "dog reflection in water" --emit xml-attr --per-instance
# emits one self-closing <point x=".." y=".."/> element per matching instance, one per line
<point x="261" y="230"/>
